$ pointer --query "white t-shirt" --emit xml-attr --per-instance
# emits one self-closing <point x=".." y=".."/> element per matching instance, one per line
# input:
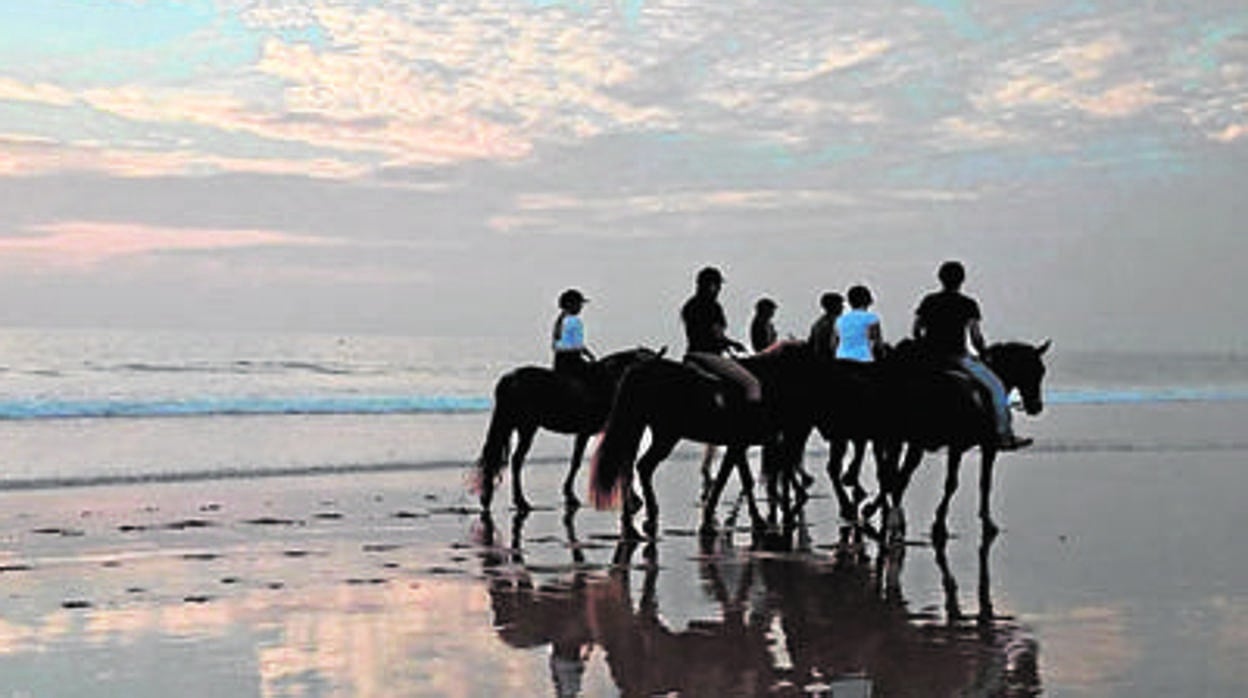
<point x="571" y="334"/>
<point x="851" y="329"/>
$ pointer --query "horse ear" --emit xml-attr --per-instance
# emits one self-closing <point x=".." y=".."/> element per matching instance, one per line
<point x="1044" y="346"/>
<point x="662" y="351"/>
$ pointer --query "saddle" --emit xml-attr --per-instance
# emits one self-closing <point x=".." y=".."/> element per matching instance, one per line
<point x="725" y="391"/>
<point x="729" y="396"/>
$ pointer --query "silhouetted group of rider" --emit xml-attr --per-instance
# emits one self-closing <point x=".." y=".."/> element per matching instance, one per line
<point x="943" y="322"/>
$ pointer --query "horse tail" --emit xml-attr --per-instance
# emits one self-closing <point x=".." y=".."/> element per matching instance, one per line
<point x="497" y="447"/>
<point x="612" y="463"/>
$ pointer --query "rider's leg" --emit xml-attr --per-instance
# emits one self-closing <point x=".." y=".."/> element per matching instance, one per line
<point x="1000" y="400"/>
<point x="735" y="372"/>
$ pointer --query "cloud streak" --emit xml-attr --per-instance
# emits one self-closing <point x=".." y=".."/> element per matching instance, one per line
<point x="85" y="245"/>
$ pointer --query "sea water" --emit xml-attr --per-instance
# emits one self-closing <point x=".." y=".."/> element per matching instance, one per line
<point x="95" y="406"/>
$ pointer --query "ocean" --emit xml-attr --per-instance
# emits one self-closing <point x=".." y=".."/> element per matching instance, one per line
<point x="81" y="407"/>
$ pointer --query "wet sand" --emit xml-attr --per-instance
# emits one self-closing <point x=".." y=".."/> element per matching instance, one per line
<point x="1120" y="571"/>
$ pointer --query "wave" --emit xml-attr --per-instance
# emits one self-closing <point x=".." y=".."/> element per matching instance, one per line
<point x="224" y="406"/>
<point x="207" y="406"/>
<point x="1121" y="396"/>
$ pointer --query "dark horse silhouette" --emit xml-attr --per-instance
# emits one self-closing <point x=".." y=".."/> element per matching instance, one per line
<point x="933" y="408"/>
<point x="677" y="401"/>
<point x="852" y="409"/>
<point x="532" y="397"/>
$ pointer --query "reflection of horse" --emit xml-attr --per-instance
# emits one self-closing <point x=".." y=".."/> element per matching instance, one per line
<point x="726" y="656"/>
<point x="533" y="396"/>
<point x="677" y="401"/>
<point x="845" y="621"/>
<point x="934" y="408"/>
<point x="842" y="622"/>
<point x="554" y="613"/>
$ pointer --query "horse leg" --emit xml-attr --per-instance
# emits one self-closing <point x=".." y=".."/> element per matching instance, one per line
<point x="940" y="530"/>
<point x="836" y="455"/>
<point x="658" y="450"/>
<point x="708" y="459"/>
<point x="747" y="482"/>
<point x="523" y="443"/>
<point x="710" y="499"/>
<point x="988" y="458"/>
<point x="851" y="478"/>
<point x="578" y="450"/>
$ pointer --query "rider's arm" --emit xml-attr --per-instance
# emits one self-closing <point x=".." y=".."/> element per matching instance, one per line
<point x="875" y="338"/>
<point x="977" y="337"/>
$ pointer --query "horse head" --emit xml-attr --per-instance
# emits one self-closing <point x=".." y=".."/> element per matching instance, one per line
<point x="1021" y="365"/>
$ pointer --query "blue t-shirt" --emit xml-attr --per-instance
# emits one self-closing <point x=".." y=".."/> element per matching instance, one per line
<point x="851" y="329"/>
<point x="571" y="336"/>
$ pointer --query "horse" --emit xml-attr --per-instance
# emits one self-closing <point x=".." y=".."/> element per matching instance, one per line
<point x="935" y="408"/>
<point x="533" y="397"/>
<point x="677" y="401"/>
<point x="850" y="410"/>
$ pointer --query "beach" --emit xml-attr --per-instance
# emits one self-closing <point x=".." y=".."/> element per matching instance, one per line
<point x="1118" y="572"/>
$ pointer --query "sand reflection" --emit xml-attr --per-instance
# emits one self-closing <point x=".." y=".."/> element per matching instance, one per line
<point x="788" y="620"/>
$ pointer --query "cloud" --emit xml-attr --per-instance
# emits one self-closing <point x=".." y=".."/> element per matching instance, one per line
<point x="40" y="93"/>
<point x="1232" y="132"/>
<point x="25" y="156"/>
<point x="87" y="244"/>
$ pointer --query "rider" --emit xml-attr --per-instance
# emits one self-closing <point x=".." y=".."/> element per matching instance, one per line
<point x="704" y="331"/>
<point x="762" y="331"/>
<point x="572" y="357"/>
<point x="942" y="323"/>
<point x="820" y="339"/>
<point x="857" y="335"/>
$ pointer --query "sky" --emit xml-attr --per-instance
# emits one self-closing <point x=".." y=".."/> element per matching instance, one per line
<point x="446" y="168"/>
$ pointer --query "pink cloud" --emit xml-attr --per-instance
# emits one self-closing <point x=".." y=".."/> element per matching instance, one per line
<point x="86" y="244"/>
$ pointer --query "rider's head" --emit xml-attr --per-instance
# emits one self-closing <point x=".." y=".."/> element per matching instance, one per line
<point x="951" y="275"/>
<point x="859" y="297"/>
<point x="571" y="300"/>
<point x="709" y="279"/>
<point x="765" y="307"/>
<point x="832" y="302"/>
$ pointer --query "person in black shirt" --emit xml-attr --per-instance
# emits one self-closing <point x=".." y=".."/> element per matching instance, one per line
<point x="705" y="327"/>
<point x="762" y="331"/>
<point x="942" y="323"/>
<point x="820" y="339"/>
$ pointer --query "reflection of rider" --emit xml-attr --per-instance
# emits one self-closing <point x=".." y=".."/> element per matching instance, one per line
<point x="704" y="330"/>
<point x="942" y="323"/>
<point x="572" y="357"/>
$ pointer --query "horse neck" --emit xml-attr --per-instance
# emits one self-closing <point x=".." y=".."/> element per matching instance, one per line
<point x="1002" y="359"/>
<point x="614" y="365"/>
